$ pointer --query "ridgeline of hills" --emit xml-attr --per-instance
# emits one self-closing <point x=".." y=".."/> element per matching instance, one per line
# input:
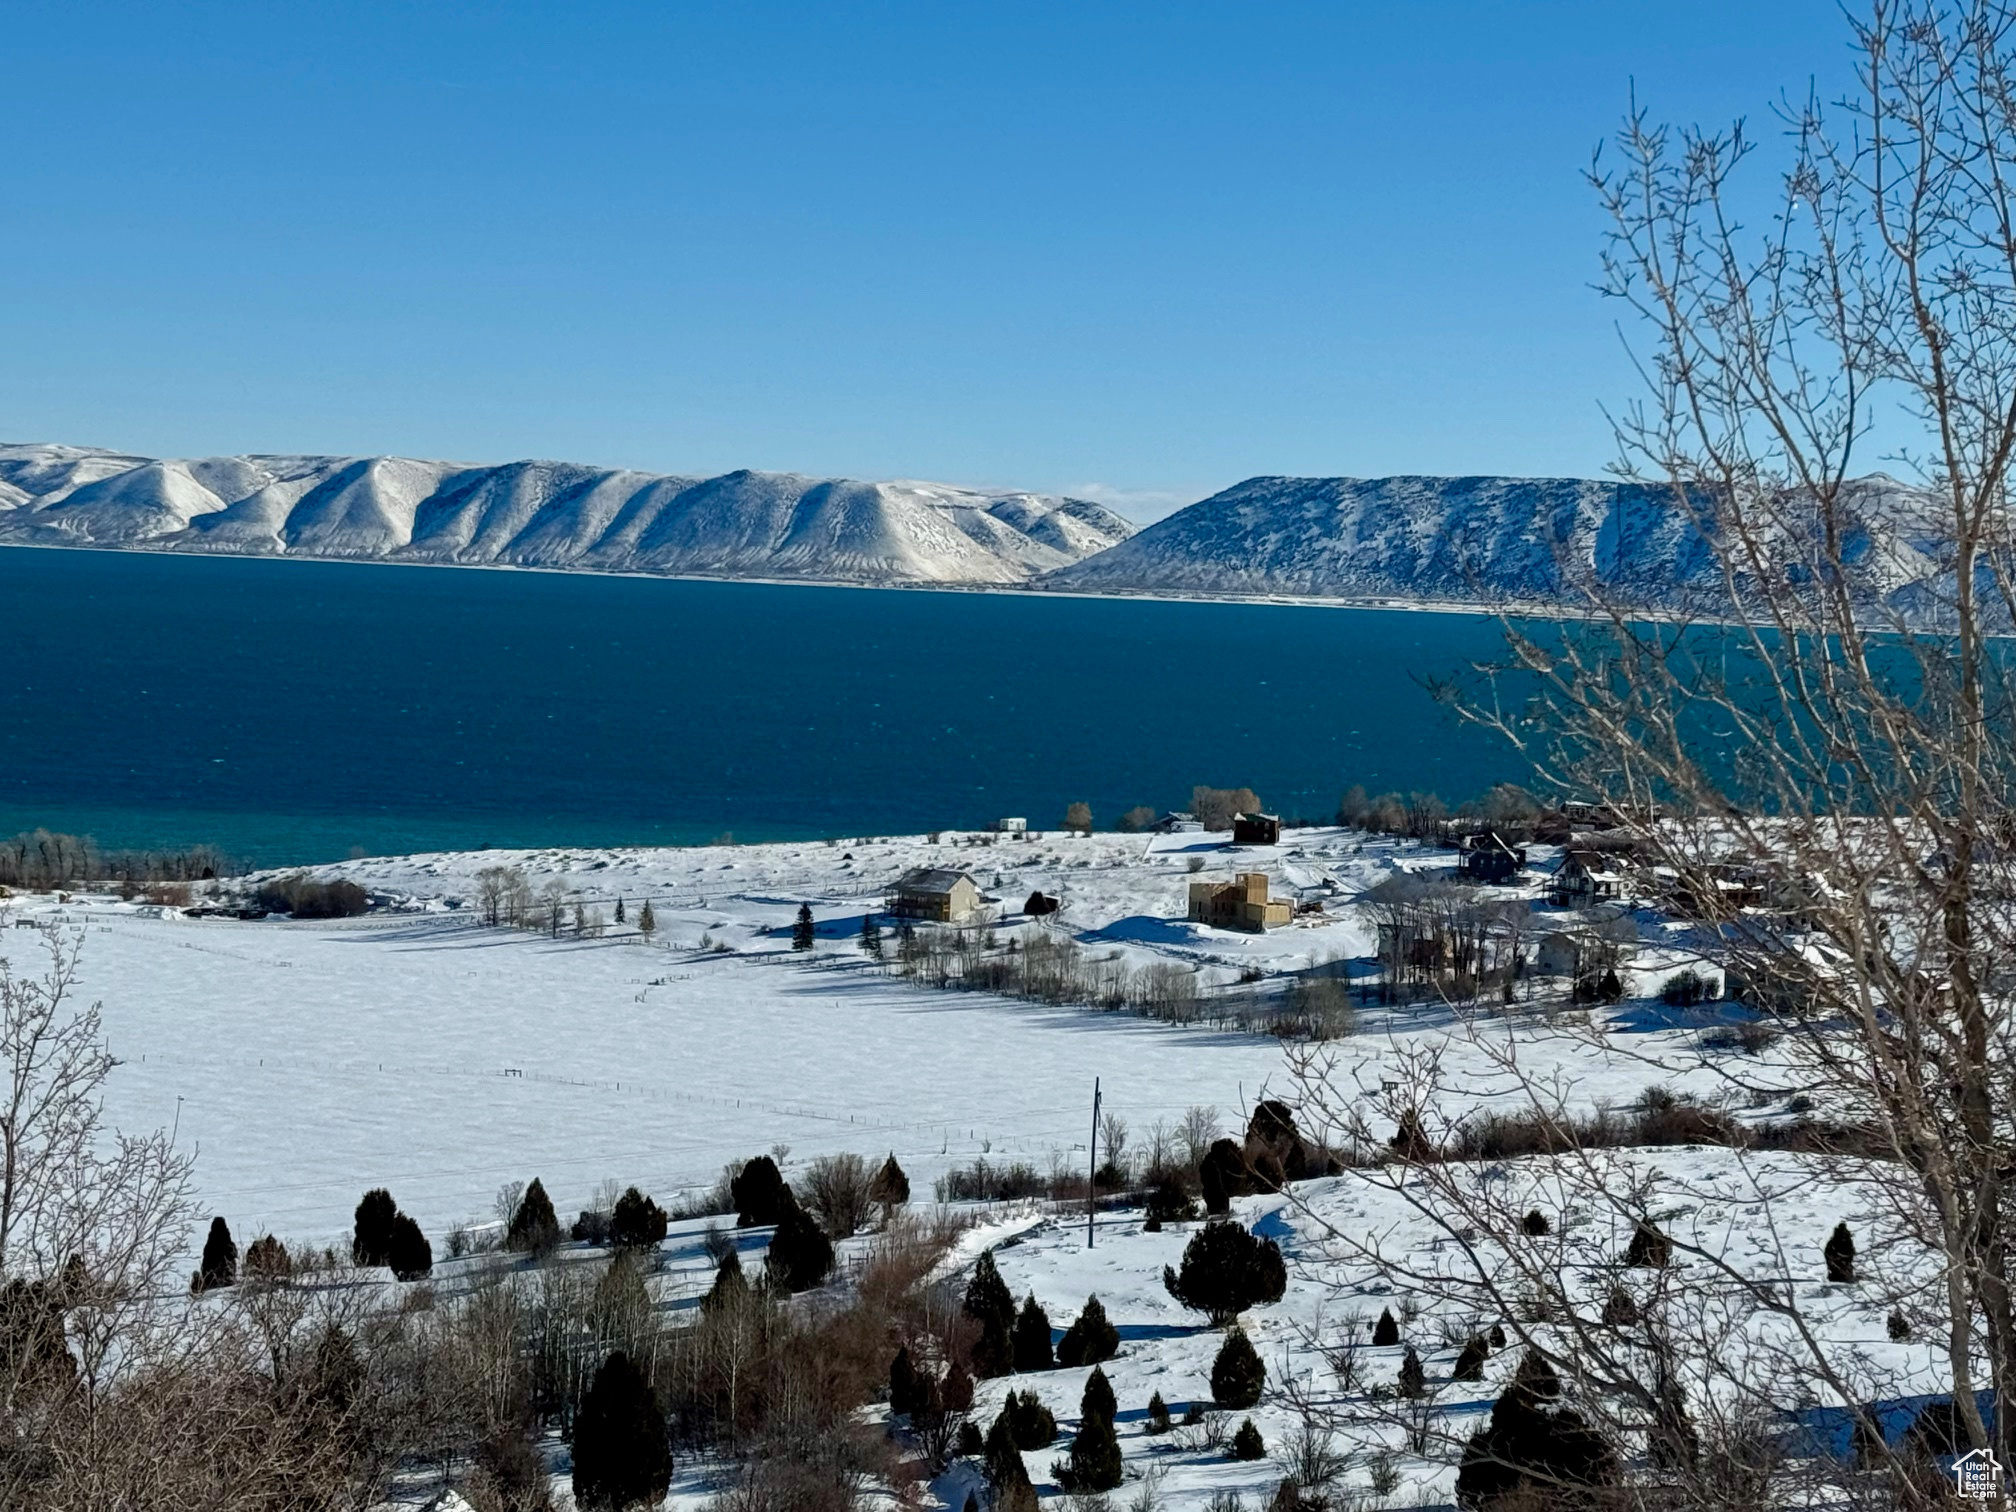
<point x="1414" y="539"/>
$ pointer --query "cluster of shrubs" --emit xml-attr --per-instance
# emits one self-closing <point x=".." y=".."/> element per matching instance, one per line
<point x="305" y="898"/>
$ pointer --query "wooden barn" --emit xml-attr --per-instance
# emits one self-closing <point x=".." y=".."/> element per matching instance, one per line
<point x="936" y="893"/>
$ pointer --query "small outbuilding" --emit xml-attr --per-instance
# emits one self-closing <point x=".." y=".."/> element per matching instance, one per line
<point x="937" y="893"/>
<point x="1256" y="829"/>
<point x="1241" y="903"/>
<point x="1178" y="824"/>
<point x="1011" y="826"/>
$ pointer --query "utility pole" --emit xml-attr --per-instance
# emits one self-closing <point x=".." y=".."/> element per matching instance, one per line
<point x="1092" y="1168"/>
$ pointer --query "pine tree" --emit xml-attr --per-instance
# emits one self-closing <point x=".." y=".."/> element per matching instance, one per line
<point x="266" y="1259"/>
<point x="1839" y="1253"/>
<point x="908" y="1391"/>
<point x="1238" y="1374"/>
<point x="1031" y="1339"/>
<point x="758" y="1194"/>
<point x="1619" y="1309"/>
<point x="800" y="1253"/>
<point x="1533" y="1446"/>
<point x="647" y="921"/>
<point x="890" y="1189"/>
<point x="1649" y="1248"/>
<point x="1247" y="1443"/>
<point x="619" y="910"/>
<point x="1413" y="1380"/>
<point x="730" y="1288"/>
<point x="220" y="1259"/>
<point x="1090" y="1339"/>
<point x="1030" y="1423"/>
<point x="1003" y="1460"/>
<point x="1158" y="1414"/>
<point x="1094" y="1464"/>
<point x="621" y="1453"/>
<point x="1534" y="1225"/>
<point x="372" y="1238"/>
<point x="408" y="1253"/>
<point x="1097" y="1400"/>
<point x="1497" y="1336"/>
<point x="1470" y="1359"/>
<point x="1386" y="1332"/>
<point x="534" y="1226"/>
<point x="1410" y="1140"/>
<point x="636" y="1222"/>
<point x="803" y="932"/>
<point x="989" y="1303"/>
<point x="871" y="937"/>
<point x="1227" y="1270"/>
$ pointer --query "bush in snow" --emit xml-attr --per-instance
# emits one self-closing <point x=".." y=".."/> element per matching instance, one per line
<point x="1030" y="1423"/>
<point x="836" y="1189"/>
<point x="1619" y="1310"/>
<point x="1649" y="1248"/>
<point x="1533" y="1447"/>
<point x="1227" y="1270"/>
<point x="1031" y="1339"/>
<point x="890" y="1189"/>
<point x="1238" y="1374"/>
<point x="534" y="1227"/>
<point x="590" y="1228"/>
<point x="409" y="1254"/>
<point x="758" y="1194"/>
<point x="1410" y="1140"/>
<point x="1224" y="1174"/>
<point x="1169" y="1201"/>
<point x="1158" y="1414"/>
<point x="1247" y="1443"/>
<point x="1090" y="1339"/>
<point x="219" y="1266"/>
<point x="266" y="1259"/>
<point x="1006" y="1473"/>
<point x="1898" y="1325"/>
<point x="1470" y="1359"/>
<point x="1385" y="1332"/>
<point x="1413" y="1380"/>
<point x="1534" y="1225"/>
<point x="372" y="1236"/>
<point x="1839" y="1253"/>
<point x="621" y="1454"/>
<point x="800" y="1253"/>
<point x="636" y="1222"/>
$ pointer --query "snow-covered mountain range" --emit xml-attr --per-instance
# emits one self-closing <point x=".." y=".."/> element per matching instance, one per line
<point x="1472" y="540"/>
<point x="1526" y="541"/>
<point x="545" y="514"/>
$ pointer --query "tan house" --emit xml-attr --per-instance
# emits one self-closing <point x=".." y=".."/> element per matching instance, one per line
<point x="1241" y="903"/>
<point x="936" y="893"/>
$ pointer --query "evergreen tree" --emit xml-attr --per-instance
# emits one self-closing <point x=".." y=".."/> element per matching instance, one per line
<point x="1098" y="1400"/>
<point x="220" y="1259"/>
<point x="1839" y="1253"/>
<point x="758" y="1194"/>
<point x="266" y="1259"/>
<point x="890" y="1189"/>
<point x="800" y="1253"/>
<point x="647" y="921"/>
<point x="803" y="931"/>
<point x="1223" y="1174"/>
<point x="1158" y="1414"/>
<point x="621" y="1453"/>
<point x="989" y="1303"/>
<point x="372" y="1238"/>
<point x="1533" y="1447"/>
<point x="1090" y="1339"/>
<point x="1238" y="1374"/>
<point x="1649" y="1248"/>
<point x="1094" y="1464"/>
<point x="908" y="1391"/>
<point x="1497" y="1336"/>
<point x="1227" y="1270"/>
<point x="1032" y="1337"/>
<point x="409" y="1254"/>
<point x="1413" y="1381"/>
<point x="1470" y="1359"/>
<point x="1386" y="1332"/>
<point x="1410" y="1141"/>
<point x="1169" y="1202"/>
<point x="871" y="937"/>
<point x="1247" y="1443"/>
<point x="636" y="1221"/>
<point x="1619" y="1310"/>
<point x="1003" y="1461"/>
<point x="619" y="910"/>
<point x="1534" y="1225"/>
<point x="534" y="1226"/>
<point x="1030" y="1423"/>
<point x="730" y="1288"/>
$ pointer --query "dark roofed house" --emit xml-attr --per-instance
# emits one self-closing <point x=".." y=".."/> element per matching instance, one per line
<point x="936" y="893"/>
<point x="1256" y="829"/>
<point x="1488" y="858"/>
<point x="1587" y="876"/>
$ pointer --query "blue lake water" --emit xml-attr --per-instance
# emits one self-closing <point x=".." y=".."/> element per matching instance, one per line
<point x="291" y="711"/>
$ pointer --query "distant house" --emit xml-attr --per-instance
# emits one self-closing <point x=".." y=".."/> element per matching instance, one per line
<point x="1584" y="950"/>
<point x="1241" y="903"/>
<point x="1178" y="824"/>
<point x="1256" y="829"/>
<point x="1011" y="826"/>
<point x="936" y="893"/>
<point x="1488" y="858"/>
<point x="1587" y="876"/>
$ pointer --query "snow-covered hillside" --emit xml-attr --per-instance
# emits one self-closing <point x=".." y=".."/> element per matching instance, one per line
<point x="1468" y="540"/>
<point x="545" y="514"/>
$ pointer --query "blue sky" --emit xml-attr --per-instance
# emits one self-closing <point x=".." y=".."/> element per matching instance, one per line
<point x="1140" y="251"/>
